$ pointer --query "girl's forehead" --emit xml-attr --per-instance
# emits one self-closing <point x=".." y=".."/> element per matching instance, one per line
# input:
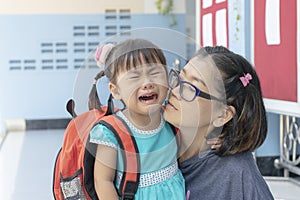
<point x="146" y="66"/>
<point x="138" y="60"/>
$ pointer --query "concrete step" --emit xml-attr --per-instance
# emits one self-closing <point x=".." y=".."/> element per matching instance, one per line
<point x="284" y="188"/>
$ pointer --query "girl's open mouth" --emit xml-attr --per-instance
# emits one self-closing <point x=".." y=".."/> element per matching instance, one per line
<point x="148" y="98"/>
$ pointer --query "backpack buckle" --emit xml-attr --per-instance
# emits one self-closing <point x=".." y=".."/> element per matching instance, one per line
<point x="130" y="190"/>
<point x="128" y="196"/>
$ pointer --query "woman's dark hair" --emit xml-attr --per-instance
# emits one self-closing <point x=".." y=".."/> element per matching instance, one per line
<point x="123" y="57"/>
<point x="247" y="130"/>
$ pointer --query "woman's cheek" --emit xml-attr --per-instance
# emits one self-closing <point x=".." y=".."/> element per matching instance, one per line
<point x="190" y="114"/>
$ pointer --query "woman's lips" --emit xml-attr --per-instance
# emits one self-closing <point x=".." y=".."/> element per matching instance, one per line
<point x="171" y="106"/>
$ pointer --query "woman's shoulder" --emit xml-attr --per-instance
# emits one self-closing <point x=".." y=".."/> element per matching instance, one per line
<point x="238" y="160"/>
<point x="243" y="165"/>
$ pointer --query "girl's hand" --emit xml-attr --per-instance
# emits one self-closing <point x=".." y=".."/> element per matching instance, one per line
<point x="215" y="143"/>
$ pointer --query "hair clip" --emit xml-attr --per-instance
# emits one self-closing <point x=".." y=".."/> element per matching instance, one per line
<point x="102" y="52"/>
<point x="246" y="79"/>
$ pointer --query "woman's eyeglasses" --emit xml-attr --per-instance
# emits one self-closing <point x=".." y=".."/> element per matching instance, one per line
<point x="187" y="90"/>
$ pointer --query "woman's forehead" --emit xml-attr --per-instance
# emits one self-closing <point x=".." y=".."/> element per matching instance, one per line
<point x="197" y="68"/>
<point x="204" y="71"/>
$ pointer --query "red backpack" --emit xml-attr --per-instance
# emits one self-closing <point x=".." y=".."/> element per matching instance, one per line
<point x="73" y="177"/>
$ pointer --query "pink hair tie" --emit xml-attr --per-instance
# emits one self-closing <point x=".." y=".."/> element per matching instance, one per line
<point x="94" y="82"/>
<point x="102" y="52"/>
<point x="246" y="79"/>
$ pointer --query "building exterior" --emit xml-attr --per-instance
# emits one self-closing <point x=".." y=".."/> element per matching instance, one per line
<point x="46" y="49"/>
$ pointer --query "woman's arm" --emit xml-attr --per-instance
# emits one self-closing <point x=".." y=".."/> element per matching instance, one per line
<point x="104" y="172"/>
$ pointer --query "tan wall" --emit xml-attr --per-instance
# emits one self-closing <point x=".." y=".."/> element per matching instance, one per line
<point x="178" y="6"/>
<point x="68" y="6"/>
<point x="81" y="6"/>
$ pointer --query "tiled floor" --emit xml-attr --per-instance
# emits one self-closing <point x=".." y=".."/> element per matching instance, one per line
<point x="27" y="159"/>
<point x="26" y="164"/>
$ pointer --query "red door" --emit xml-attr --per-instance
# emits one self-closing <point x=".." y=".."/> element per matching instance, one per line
<point x="214" y="23"/>
<point x="275" y="48"/>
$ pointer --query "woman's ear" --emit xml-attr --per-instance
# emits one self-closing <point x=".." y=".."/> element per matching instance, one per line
<point x="114" y="90"/>
<point x="225" y="117"/>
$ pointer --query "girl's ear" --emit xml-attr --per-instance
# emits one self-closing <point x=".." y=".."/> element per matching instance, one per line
<point x="114" y="90"/>
<point x="225" y="117"/>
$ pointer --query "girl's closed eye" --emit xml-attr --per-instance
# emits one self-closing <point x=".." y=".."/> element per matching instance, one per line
<point x="133" y="75"/>
<point x="156" y="70"/>
<point x="155" y="73"/>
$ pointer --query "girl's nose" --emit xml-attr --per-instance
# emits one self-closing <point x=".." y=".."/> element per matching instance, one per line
<point x="148" y="85"/>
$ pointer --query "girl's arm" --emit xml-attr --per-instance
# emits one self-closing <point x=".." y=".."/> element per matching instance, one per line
<point x="104" y="172"/>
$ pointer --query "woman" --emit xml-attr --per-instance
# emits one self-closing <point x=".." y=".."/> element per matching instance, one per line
<point x="218" y="94"/>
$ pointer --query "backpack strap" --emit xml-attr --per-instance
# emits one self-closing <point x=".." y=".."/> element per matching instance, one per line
<point x="110" y="106"/>
<point x="176" y="132"/>
<point x="130" y="153"/>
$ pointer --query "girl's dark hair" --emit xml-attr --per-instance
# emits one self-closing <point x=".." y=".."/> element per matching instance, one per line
<point x="94" y="101"/>
<point x="123" y="57"/>
<point x="248" y="128"/>
<point x="129" y="55"/>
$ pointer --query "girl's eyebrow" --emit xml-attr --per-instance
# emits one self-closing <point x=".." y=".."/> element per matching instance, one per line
<point x="194" y="78"/>
<point x="153" y="68"/>
<point x="133" y="73"/>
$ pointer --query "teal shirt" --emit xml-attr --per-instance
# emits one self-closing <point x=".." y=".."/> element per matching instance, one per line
<point x="158" y="150"/>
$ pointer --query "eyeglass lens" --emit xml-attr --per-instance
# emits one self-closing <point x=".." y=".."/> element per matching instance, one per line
<point x="173" y="79"/>
<point x="187" y="91"/>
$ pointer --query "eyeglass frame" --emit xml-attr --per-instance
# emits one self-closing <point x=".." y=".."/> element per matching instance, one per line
<point x="198" y="92"/>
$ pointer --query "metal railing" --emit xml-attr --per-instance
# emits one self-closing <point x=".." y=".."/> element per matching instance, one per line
<point x="289" y="146"/>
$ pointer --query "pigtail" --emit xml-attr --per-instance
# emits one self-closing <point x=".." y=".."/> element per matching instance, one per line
<point x="100" y="57"/>
<point x="94" y="101"/>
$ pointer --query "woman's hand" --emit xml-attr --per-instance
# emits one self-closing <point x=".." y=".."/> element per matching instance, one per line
<point x="215" y="143"/>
